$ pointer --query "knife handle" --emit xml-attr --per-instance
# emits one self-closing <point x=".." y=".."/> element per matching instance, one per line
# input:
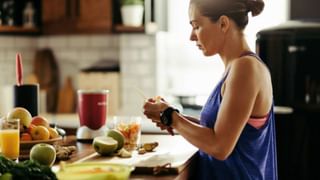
<point x="19" y="70"/>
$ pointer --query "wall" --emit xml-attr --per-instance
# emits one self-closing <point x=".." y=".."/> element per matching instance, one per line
<point x="135" y="52"/>
<point x="9" y="46"/>
<point x="139" y="71"/>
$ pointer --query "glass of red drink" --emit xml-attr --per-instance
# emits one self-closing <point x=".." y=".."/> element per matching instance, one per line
<point x="92" y="108"/>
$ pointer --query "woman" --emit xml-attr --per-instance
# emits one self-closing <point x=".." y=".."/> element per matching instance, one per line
<point x="235" y="134"/>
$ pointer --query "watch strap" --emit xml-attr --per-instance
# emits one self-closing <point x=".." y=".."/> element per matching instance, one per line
<point x="166" y="116"/>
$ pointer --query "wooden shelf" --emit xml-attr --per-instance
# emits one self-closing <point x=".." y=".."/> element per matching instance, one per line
<point x="128" y="29"/>
<point x="18" y="30"/>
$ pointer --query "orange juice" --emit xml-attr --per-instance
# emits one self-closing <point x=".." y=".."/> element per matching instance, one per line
<point x="10" y="143"/>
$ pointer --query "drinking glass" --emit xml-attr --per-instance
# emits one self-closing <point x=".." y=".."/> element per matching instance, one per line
<point x="130" y="127"/>
<point x="9" y="138"/>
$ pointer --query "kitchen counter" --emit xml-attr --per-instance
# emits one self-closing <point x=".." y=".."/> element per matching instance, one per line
<point x="173" y="151"/>
<point x="71" y="122"/>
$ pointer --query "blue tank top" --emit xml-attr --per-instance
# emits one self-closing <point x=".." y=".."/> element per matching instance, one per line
<point x="254" y="156"/>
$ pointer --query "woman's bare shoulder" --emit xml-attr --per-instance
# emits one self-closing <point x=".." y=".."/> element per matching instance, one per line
<point x="248" y="67"/>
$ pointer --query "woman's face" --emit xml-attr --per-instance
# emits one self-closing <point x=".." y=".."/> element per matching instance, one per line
<point x="207" y="35"/>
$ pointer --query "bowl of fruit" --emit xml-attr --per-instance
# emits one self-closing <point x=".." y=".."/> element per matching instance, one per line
<point x="34" y="130"/>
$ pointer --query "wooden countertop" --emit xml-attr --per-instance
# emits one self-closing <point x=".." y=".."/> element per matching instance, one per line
<point x="174" y="150"/>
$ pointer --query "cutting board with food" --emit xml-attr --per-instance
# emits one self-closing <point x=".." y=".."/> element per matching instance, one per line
<point x="169" y="156"/>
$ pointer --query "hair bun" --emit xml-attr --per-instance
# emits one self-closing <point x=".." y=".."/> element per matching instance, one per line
<point x="255" y="6"/>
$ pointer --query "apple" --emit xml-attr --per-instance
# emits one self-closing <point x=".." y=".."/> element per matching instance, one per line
<point x="22" y="114"/>
<point x="118" y="136"/>
<point x="53" y="133"/>
<point x="43" y="153"/>
<point x="40" y="133"/>
<point x="31" y="126"/>
<point x="25" y="137"/>
<point x="104" y="145"/>
<point x="40" y="120"/>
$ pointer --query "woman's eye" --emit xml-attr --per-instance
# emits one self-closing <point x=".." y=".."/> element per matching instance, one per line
<point x="196" y="27"/>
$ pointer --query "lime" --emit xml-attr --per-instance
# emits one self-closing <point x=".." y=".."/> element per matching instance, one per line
<point x="104" y="145"/>
<point x="118" y="136"/>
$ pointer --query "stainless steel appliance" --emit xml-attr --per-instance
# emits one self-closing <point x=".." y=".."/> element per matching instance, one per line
<point x="292" y="53"/>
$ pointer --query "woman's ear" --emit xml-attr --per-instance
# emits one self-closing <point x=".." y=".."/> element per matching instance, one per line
<point x="224" y="23"/>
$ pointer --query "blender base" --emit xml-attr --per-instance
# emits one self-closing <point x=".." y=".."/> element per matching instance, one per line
<point x="84" y="133"/>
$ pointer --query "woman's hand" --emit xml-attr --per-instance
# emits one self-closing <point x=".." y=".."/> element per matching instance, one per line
<point x="152" y="109"/>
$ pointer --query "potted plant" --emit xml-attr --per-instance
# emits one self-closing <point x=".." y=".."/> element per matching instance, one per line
<point x="132" y="12"/>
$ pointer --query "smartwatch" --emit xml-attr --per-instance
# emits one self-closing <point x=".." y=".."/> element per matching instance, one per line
<point x="166" y="116"/>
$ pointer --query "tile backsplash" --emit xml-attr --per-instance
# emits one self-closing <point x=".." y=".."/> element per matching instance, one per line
<point x="135" y="53"/>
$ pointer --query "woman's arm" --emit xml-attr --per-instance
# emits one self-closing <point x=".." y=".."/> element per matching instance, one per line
<point x="242" y="87"/>
<point x="192" y="119"/>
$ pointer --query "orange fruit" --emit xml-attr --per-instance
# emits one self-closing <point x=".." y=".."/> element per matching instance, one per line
<point x="53" y="133"/>
<point x="40" y="133"/>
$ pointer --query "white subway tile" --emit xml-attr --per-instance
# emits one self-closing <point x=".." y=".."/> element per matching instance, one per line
<point x="147" y="54"/>
<point x="65" y="54"/>
<point x="42" y="42"/>
<point x="7" y="42"/>
<point x="142" y="70"/>
<point x="129" y="54"/>
<point x="78" y="41"/>
<point x="11" y="56"/>
<point x="3" y="55"/>
<point x="137" y="40"/>
<point x="25" y="42"/>
<point x="90" y="55"/>
<point x="104" y="41"/>
<point x="110" y="53"/>
<point x="59" y="42"/>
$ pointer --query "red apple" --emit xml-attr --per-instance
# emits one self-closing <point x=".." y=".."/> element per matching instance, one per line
<point x="40" y="121"/>
<point x="30" y="128"/>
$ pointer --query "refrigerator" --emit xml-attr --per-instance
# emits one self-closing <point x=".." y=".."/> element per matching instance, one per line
<point x="292" y="53"/>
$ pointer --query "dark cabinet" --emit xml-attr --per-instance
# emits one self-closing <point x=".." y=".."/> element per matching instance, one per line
<point x="20" y="17"/>
<point x="76" y="16"/>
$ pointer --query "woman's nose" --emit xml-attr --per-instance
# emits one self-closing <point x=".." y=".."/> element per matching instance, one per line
<point x="193" y="37"/>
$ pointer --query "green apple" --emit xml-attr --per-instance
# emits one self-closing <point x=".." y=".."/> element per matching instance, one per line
<point x="22" y="114"/>
<point x="104" y="145"/>
<point x="43" y="153"/>
<point x="118" y="136"/>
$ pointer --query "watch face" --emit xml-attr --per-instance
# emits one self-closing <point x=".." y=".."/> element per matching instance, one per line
<point x="166" y="116"/>
<point x="165" y="120"/>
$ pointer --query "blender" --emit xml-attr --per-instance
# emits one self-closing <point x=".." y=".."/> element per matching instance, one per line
<point x="92" y="111"/>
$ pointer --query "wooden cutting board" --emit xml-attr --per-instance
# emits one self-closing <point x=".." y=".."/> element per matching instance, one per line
<point x="173" y="150"/>
<point x="66" y="102"/>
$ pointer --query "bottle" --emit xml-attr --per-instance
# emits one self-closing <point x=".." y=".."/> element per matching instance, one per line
<point x="28" y="15"/>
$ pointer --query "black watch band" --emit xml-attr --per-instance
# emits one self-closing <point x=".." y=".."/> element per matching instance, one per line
<point x="166" y="116"/>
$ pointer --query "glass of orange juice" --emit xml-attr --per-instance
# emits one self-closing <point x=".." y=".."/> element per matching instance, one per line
<point x="130" y="127"/>
<point x="9" y="138"/>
